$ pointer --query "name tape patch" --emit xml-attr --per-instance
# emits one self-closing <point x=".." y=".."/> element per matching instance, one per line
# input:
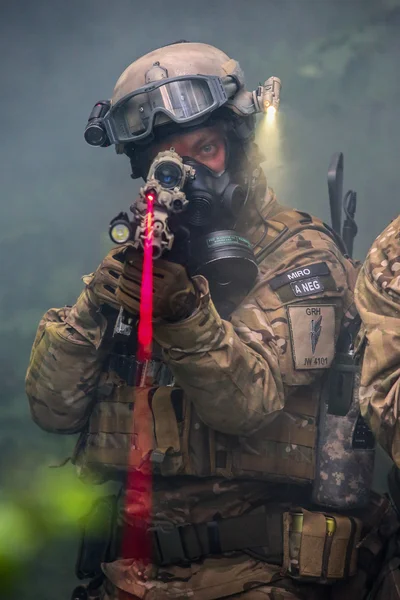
<point x="312" y="334"/>
<point x="305" y="287"/>
<point x="298" y="274"/>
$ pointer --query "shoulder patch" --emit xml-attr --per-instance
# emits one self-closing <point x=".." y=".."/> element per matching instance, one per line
<point x="312" y="335"/>
<point x="306" y="287"/>
<point x="298" y="274"/>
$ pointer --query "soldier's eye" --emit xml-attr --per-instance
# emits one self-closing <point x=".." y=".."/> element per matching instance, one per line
<point x="208" y="148"/>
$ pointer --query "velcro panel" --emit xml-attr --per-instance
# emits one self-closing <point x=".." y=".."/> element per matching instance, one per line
<point x="302" y="402"/>
<point x="113" y="413"/>
<point x="113" y="457"/>
<point x="281" y="460"/>
<point x="312" y="544"/>
<point x="112" y="417"/>
<point x="294" y="429"/>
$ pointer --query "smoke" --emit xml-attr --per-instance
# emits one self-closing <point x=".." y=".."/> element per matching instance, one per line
<point x="338" y="63"/>
<point x="334" y="59"/>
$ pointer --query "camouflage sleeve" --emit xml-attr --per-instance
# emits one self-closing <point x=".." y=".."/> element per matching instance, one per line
<point x="239" y="373"/>
<point x="65" y="365"/>
<point x="378" y="301"/>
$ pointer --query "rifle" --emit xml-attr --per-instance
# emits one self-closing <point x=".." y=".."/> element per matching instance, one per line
<point x="349" y="203"/>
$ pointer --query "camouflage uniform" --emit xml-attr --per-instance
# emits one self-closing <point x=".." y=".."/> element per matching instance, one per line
<point x="378" y="301"/>
<point x="239" y="375"/>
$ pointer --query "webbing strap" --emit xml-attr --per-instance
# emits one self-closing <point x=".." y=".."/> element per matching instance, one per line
<point x="258" y="531"/>
<point x="394" y="486"/>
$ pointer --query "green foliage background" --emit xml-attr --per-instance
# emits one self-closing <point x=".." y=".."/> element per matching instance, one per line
<point x="338" y="61"/>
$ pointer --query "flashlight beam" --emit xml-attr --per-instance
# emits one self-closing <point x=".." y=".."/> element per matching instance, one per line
<point x="271" y="114"/>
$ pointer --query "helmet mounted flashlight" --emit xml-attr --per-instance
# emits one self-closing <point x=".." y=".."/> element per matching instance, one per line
<point x="95" y="132"/>
<point x="266" y="97"/>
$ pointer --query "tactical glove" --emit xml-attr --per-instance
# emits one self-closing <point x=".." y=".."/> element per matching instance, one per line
<point x="174" y="296"/>
<point x="85" y="316"/>
<point x="102" y="284"/>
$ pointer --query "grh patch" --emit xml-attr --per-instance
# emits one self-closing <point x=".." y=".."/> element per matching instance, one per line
<point x="298" y="274"/>
<point x="312" y="334"/>
<point x="306" y="287"/>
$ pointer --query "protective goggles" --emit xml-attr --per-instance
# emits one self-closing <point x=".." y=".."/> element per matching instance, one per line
<point x="180" y="99"/>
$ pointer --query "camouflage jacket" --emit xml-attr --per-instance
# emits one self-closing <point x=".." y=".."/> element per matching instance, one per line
<point x="378" y="301"/>
<point x="238" y="373"/>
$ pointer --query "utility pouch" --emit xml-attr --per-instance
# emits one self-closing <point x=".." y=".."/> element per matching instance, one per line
<point x="97" y="543"/>
<point x="346" y="445"/>
<point x="320" y="547"/>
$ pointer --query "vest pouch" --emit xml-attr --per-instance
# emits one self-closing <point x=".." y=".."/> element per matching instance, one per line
<point x="166" y="456"/>
<point x="346" y="448"/>
<point x="283" y="451"/>
<point x="320" y="547"/>
<point x="131" y="428"/>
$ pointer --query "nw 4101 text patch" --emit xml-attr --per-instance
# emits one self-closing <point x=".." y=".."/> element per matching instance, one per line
<point x="312" y="332"/>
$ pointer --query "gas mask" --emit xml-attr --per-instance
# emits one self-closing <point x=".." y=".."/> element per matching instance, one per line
<point x="215" y="250"/>
<point x="195" y="211"/>
<point x="214" y="200"/>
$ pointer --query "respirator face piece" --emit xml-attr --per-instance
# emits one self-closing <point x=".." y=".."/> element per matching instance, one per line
<point x="196" y="209"/>
<point x="215" y="250"/>
<point x="215" y="201"/>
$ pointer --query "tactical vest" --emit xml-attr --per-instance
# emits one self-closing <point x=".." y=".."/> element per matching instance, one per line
<point x="128" y="426"/>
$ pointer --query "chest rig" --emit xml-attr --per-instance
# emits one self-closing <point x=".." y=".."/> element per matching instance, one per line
<point x="179" y="443"/>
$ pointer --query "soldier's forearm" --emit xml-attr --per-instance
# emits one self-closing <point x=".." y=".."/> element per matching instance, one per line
<point x="65" y="366"/>
<point x="235" y="390"/>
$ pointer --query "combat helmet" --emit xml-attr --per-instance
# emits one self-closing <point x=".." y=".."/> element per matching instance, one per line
<point x="179" y="86"/>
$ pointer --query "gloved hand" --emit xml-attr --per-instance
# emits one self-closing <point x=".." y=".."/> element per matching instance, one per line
<point x="102" y="284"/>
<point x="85" y="316"/>
<point x="174" y="296"/>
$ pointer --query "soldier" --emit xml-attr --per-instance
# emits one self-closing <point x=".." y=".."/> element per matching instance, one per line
<point x="233" y="441"/>
<point x="377" y="297"/>
<point x="378" y="301"/>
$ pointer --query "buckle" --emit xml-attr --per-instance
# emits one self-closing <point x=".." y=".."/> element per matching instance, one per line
<point x="157" y="457"/>
<point x="169" y="548"/>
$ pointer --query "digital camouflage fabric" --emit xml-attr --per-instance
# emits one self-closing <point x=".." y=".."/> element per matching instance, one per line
<point x="240" y="375"/>
<point x="378" y="301"/>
